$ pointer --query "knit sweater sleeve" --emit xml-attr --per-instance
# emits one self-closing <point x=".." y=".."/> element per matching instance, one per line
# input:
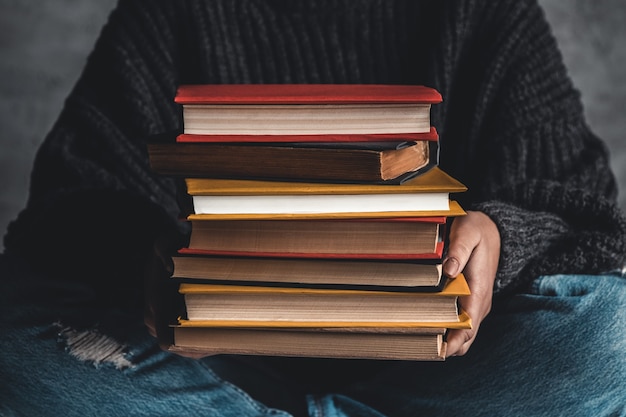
<point x="93" y="199"/>
<point x="538" y="170"/>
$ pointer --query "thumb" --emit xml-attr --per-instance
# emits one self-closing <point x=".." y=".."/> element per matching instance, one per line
<point x="452" y="267"/>
<point x="460" y="247"/>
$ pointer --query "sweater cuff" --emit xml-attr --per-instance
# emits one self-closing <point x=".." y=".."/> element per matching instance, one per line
<point x="524" y="237"/>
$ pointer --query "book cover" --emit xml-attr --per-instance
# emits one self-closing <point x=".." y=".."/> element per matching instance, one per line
<point x="363" y="140"/>
<point x="403" y="344"/>
<point x="338" y="161"/>
<point x="413" y="255"/>
<point x="305" y="93"/>
<point x="435" y="180"/>
<point x="360" y="237"/>
<point x="427" y="194"/>
<point x="463" y="321"/>
<point x="284" y="109"/>
<point x="264" y="304"/>
<point x="367" y="274"/>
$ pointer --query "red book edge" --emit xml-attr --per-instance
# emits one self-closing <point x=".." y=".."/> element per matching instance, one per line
<point x="304" y="93"/>
<point x="425" y="219"/>
<point x="434" y="255"/>
<point x="432" y="219"/>
<point x="432" y="135"/>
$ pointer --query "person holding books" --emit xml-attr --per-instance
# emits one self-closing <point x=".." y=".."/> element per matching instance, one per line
<point x="543" y="244"/>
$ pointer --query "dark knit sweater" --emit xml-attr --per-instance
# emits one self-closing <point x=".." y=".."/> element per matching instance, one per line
<point x="511" y="124"/>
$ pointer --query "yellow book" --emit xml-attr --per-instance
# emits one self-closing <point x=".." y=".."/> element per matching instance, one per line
<point x="463" y="321"/>
<point x="232" y="303"/>
<point x="427" y="194"/>
<point x="389" y="341"/>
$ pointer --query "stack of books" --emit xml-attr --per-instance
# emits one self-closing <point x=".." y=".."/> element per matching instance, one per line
<point x="318" y="222"/>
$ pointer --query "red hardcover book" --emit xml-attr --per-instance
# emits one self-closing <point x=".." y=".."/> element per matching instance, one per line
<point x="396" y="238"/>
<point x="305" y="94"/>
<point x="306" y="109"/>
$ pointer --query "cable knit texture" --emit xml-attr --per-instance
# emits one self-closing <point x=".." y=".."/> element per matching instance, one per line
<point x="511" y="125"/>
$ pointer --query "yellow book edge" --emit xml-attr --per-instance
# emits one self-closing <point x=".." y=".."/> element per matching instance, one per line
<point x="465" y="322"/>
<point x="455" y="210"/>
<point x="434" y="180"/>
<point x="454" y="287"/>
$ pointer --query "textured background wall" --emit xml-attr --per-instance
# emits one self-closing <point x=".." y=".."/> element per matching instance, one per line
<point x="44" y="45"/>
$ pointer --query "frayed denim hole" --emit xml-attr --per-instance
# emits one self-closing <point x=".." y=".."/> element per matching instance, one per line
<point x="91" y="345"/>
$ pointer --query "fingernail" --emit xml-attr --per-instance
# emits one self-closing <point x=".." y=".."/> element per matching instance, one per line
<point x="451" y="267"/>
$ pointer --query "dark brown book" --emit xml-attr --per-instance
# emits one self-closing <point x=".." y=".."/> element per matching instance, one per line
<point x="344" y="161"/>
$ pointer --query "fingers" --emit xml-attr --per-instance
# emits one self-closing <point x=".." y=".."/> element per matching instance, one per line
<point x="474" y="249"/>
<point x="477" y="306"/>
<point x="459" y="341"/>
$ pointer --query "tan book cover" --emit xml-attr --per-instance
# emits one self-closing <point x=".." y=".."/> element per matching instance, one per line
<point x="397" y="275"/>
<point x="424" y="344"/>
<point x="350" y="237"/>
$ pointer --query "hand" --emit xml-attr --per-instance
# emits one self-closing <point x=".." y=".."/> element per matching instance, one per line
<point x="160" y="296"/>
<point x="474" y="249"/>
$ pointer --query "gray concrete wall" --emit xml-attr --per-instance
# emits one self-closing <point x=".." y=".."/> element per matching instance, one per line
<point x="43" y="48"/>
<point x="44" y="45"/>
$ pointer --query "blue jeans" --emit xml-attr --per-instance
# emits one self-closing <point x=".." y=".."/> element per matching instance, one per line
<point x="558" y="350"/>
